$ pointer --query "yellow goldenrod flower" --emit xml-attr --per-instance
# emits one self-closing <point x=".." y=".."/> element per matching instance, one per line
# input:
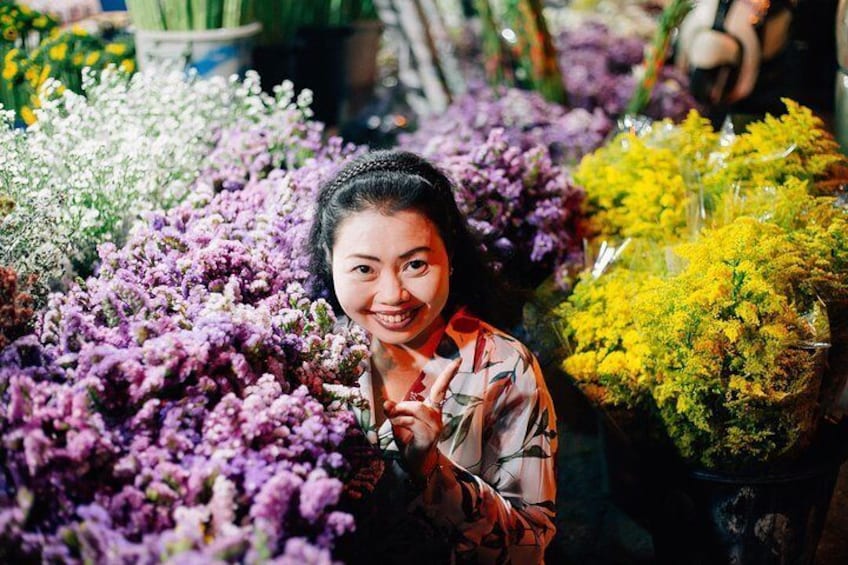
<point x="128" y="65"/>
<point x="79" y="31"/>
<point x="27" y="115"/>
<point x="25" y="10"/>
<point x="92" y="58"/>
<point x="10" y="70"/>
<point x="10" y="34"/>
<point x="40" y="22"/>
<point x="58" y="52"/>
<point x="77" y="59"/>
<point x="11" y="54"/>
<point x="116" y="49"/>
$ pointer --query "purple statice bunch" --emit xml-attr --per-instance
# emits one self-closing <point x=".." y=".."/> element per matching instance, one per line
<point x="598" y="70"/>
<point x="173" y="407"/>
<point x="525" y="118"/>
<point x="521" y="206"/>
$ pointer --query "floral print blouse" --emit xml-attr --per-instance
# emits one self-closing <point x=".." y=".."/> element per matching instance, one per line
<point x="491" y="497"/>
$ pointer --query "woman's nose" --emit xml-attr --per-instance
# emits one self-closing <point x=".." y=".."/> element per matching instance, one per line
<point x="391" y="290"/>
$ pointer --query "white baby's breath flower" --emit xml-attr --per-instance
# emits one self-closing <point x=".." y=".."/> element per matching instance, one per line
<point x="92" y="164"/>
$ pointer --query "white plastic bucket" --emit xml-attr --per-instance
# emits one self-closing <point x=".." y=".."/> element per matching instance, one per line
<point x="212" y="52"/>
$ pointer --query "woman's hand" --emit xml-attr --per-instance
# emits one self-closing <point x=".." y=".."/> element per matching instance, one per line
<point x="418" y="425"/>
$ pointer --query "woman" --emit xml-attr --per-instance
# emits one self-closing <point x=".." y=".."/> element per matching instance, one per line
<point x="458" y="408"/>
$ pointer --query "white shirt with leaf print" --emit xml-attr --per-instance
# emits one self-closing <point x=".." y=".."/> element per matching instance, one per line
<point x="492" y="494"/>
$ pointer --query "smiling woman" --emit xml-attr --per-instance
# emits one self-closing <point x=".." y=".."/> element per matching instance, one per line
<point x="458" y="408"/>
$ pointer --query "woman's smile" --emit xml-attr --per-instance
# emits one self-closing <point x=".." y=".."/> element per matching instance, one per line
<point x="396" y="321"/>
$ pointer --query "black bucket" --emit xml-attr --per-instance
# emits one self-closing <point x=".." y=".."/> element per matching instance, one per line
<point x="315" y="59"/>
<point x="719" y="519"/>
<point x="766" y="518"/>
<point x="704" y="517"/>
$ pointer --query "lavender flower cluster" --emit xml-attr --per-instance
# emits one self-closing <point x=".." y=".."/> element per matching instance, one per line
<point x="598" y="70"/>
<point x="503" y="149"/>
<point x="521" y="205"/>
<point x="526" y="119"/>
<point x="172" y="406"/>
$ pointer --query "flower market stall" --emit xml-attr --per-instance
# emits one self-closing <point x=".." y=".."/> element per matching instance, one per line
<point x="172" y="390"/>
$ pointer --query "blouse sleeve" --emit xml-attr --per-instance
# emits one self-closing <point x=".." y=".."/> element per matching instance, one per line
<point x="505" y="512"/>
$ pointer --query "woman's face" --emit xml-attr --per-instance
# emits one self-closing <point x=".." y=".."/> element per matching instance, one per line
<point x="391" y="274"/>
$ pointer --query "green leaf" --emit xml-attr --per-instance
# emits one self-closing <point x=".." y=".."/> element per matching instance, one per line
<point x="463" y="429"/>
<point x="543" y="423"/>
<point x="449" y="428"/>
<point x="532" y="421"/>
<point x="465" y="399"/>
<point x="535" y="451"/>
<point x="503" y="375"/>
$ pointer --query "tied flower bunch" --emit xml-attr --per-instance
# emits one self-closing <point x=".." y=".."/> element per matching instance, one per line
<point x="93" y="163"/>
<point x="721" y="345"/>
<point x="172" y="407"/>
<point x="639" y="185"/>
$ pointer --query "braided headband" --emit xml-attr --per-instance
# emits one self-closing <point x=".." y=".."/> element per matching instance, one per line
<point x="389" y="162"/>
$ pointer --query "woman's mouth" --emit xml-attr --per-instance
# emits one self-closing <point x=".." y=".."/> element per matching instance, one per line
<point x="395" y="321"/>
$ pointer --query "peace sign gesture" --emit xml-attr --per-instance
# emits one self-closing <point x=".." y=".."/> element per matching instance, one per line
<point x="418" y="425"/>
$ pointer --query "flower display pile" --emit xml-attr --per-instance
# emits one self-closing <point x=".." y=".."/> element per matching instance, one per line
<point x="172" y="406"/>
<point x="722" y="341"/>
<point x="22" y="27"/>
<point x="93" y="163"/>
<point x="27" y="63"/>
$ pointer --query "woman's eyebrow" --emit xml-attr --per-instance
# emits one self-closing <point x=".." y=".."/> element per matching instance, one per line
<point x="405" y="255"/>
<point x="415" y="250"/>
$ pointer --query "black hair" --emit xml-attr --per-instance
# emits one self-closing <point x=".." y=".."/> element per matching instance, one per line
<point x="394" y="181"/>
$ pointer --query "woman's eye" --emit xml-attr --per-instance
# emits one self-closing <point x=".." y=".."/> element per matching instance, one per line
<point x="363" y="270"/>
<point x="416" y="265"/>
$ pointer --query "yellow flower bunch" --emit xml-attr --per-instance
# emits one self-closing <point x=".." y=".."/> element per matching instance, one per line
<point x="608" y="356"/>
<point x="18" y="21"/>
<point x="639" y="184"/>
<point x="723" y="350"/>
<point x="61" y="56"/>
<point x="795" y="144"/>
<point x="732" y="338"/>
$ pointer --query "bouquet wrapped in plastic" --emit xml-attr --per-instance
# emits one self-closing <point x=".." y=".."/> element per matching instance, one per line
<point x="712" y="319"/>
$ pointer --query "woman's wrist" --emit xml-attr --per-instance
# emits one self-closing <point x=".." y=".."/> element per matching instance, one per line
<point x="429" y="466"/>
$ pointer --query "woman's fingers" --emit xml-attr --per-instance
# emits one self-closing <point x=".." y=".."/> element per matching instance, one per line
<point x="443" y="381"/>
<point x="404" y="408"/>
<point x="403" y="421"/>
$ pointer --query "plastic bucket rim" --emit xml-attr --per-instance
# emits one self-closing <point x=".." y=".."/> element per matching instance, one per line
<point x="217" y="34"/>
